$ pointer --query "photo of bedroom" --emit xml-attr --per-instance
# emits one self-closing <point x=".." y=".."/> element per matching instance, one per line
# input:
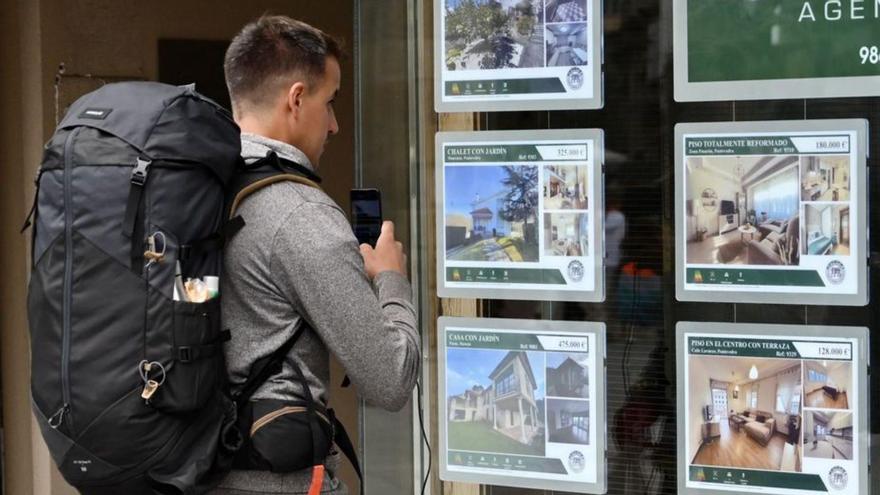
<point x="568" y="421"/>
<point x="826" y="230"/>
<point x="745" y="412"/>
<point x="567" y="44"/>
<point x="566" y="234"/>
<point x="828" y="435"/>
<point x="825" y="178"/>
<point x="827" y="383"/>
<point x="743" y="210"/>
<point x="565" y="187"/>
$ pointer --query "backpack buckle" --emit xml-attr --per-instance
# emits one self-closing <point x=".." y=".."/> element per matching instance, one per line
<point x="184" y="354"/>
<point x="139" y="174"/>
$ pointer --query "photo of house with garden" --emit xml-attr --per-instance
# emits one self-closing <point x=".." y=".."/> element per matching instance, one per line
<point x="494" y="34"/>
<point x="743" y="210"/>
<point x="491" y="213"/>
<point x="565" y="187"/>
<point x="568" y="375"/>
<point x="498" y="409"/>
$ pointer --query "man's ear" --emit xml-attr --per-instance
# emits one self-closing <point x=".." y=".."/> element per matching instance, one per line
<point x="295" y="95"/>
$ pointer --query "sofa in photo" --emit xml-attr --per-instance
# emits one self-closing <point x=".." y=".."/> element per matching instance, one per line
<point x="742" y="210"/>
<point x="744" y="412"/>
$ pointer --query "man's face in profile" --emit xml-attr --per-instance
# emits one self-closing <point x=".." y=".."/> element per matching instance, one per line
<point x="318" y="112"/>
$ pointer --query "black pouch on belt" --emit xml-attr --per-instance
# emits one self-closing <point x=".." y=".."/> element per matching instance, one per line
<point x="280" y="438"/>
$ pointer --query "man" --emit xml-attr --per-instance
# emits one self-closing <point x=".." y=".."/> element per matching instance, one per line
<point x="296" y="260"/>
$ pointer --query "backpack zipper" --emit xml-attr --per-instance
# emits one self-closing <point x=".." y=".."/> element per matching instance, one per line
<point x="272" y="416"/>
<point x="57" y="419"/>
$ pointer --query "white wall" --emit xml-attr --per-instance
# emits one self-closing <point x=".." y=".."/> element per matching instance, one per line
<point x="841" y="420"/>
<point x="699" y="395"/>
<point x="726" y="189"/>
<point x="840" y="375"/>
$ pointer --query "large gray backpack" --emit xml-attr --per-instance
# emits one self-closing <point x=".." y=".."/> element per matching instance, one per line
<point x="129" y="385"/>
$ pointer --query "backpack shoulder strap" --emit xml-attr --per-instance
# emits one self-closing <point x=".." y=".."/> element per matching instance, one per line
<point x="267" y="171"/>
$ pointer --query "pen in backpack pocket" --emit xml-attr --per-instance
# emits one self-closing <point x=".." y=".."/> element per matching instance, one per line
<point x="179" y="290"/>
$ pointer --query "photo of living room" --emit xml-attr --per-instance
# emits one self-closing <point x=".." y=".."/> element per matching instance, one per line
<point x="566" y="234"/>
<point x="568" y="375"/>
<point x="567" y="44"/>
<point x="828" y="435"/>
<point x="568" y="421"/>
<point x="743" y="210"/>
<point x="825" y="178"/>
<point x="745" y="412"/>
<point x="826" y="230"/>
<point x="565" y="187"/>
<point x="827" y="383"/>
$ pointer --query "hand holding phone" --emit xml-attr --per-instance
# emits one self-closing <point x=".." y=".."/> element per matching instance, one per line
<point x="386" y="256"/>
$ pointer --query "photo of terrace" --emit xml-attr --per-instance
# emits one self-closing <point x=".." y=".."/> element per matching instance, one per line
<point x="825" y="178"/>
<point x="826" y="230"/>
<point x="743" y="210"/>
<point x="827" y="384"/>
<point x="565" y="187"/>
<point x="828" y="435"/>
<point x="745" y="412"/>
<point x="494" y="34"/>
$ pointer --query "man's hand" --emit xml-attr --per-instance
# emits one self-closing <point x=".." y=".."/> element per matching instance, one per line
<point x="388" y="254"/>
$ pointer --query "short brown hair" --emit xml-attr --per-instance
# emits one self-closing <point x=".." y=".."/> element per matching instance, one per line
<point x="270" y="50"/>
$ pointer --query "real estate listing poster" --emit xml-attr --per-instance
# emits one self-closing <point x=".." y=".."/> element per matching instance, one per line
<point x="517" y="55"/>
<point x="522" y="403"/>
<point x="772" y="409"/>
<point x="772" y="212"/>
<point x="775" y="49"/>
<point x="519" y="215"/>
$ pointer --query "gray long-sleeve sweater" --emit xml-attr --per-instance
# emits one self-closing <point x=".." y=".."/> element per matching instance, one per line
<point x="296" y="260"/>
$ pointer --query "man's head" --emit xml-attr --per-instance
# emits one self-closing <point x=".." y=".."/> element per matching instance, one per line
<point x="283" y="76"/>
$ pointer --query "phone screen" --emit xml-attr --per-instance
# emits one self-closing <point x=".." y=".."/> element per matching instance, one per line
<point x="366" y="215"/>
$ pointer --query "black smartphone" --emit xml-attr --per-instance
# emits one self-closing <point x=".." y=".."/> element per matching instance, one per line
<point x="366" y="215"/>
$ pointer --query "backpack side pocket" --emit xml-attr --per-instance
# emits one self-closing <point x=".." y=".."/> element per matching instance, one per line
<point x="197" y="371"/>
